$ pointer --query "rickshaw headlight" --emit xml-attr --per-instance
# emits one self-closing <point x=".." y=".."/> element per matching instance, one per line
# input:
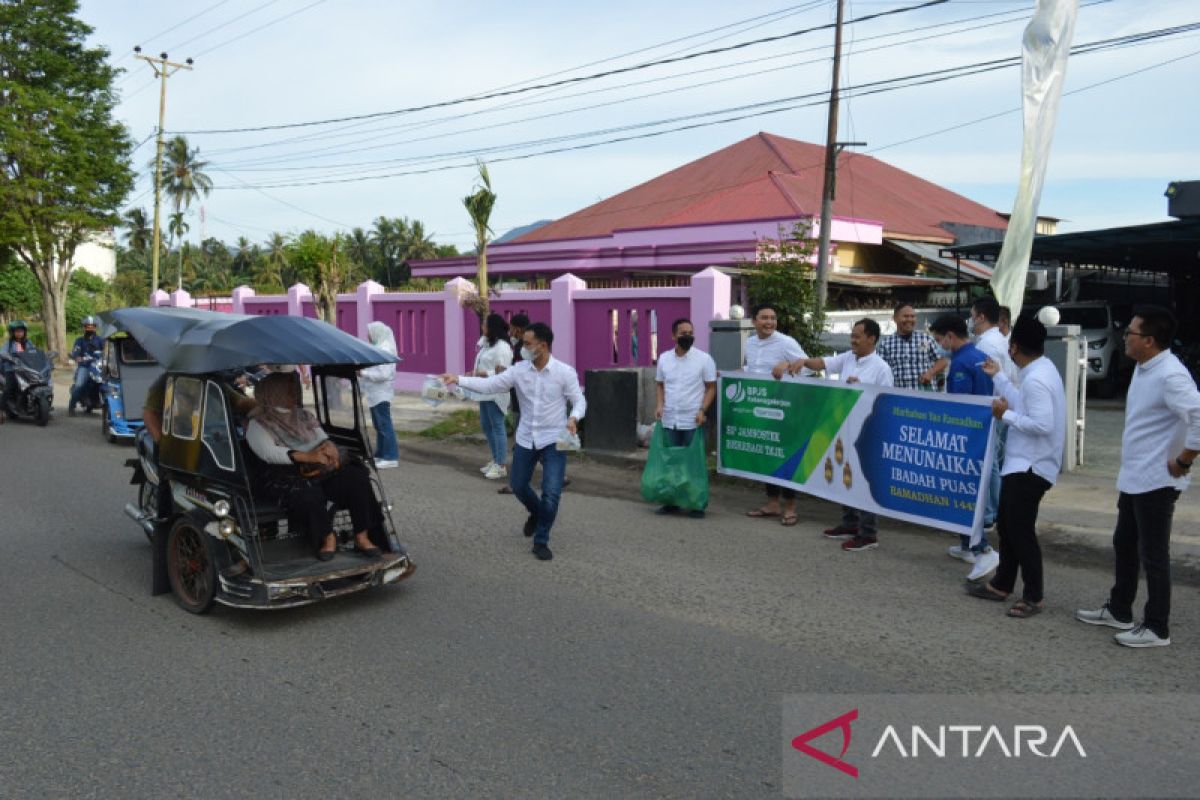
<point x="226" y="527"/>
<point x="221" y="508"/>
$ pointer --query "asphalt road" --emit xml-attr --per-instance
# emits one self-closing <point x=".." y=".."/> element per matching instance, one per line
<point x="651" y="658"/>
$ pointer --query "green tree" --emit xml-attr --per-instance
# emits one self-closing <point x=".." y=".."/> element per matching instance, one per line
<point x="479" y="205"/>
<point x="322" y="263"/>
<point x="361" y="250"/>
<point x="784" y="275"/>
<point x="386" y="236"/>
<point x="19" y="293"/>
<point x="184" y="176"/>
<point x="64" y="161"/>
<point x="138" y="235"/>
<point x="178" y="227"/>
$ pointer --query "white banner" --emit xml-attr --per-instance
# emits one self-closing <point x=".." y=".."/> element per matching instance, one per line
<point x="1044" y="51"/>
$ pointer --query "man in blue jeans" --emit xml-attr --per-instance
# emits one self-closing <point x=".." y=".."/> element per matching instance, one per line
<point x="966" y="376"/>
<point x="545" y="388"/>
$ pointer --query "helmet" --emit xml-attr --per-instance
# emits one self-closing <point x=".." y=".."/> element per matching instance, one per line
<point x="17" y="323"/>
<point x="89" y="320"/>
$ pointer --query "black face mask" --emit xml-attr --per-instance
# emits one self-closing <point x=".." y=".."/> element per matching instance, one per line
<point x="686" y="341"/>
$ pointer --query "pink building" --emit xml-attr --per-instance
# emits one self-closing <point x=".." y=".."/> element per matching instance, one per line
<point x="887" y="229"/>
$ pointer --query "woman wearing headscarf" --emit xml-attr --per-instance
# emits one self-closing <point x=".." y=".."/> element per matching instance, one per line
<point x="308" y="472"/>
<point x="494" y="355"/>
<point x="377" y="383"/>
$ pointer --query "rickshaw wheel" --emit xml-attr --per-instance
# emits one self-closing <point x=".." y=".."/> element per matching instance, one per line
<point x="190" y="567"/>
<point x="105" y="426"/>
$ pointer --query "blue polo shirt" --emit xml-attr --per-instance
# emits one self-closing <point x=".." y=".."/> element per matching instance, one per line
<point x="966" y="376"/>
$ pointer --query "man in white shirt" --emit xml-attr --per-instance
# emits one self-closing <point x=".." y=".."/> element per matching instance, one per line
<point x="859" y="530"/>
<point x="1161" y="440"/>
<point x="765" y="348"/>
<point x="545" y="387"/>
<point x="686" y="386"/>
<point x="1036" y="414"/>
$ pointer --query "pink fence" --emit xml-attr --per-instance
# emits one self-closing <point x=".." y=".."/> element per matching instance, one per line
<point x="593" y="328"/>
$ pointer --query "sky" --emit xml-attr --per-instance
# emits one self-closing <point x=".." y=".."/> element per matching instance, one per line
<point x="271" y="62"/>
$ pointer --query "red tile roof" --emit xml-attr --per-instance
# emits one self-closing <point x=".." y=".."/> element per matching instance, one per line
<point x="768" y="176"/>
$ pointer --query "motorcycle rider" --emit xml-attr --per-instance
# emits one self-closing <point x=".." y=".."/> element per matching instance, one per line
<point x="88" y="348"/>
<point x="18" y="342"/>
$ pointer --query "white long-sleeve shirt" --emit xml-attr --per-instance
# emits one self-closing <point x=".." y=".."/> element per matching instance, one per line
<point x="1162" y="417"/>
<point x="994" y="345"/>
<point x="544" y="395"/>
<point x="1036" y="419"/>
<point x="871" y="368"/>
<point x="487" y="359"/>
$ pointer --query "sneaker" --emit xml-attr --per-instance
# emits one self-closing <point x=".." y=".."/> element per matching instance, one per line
<point x="956" y="551"/>
<point x="984" y="563"/>
<point x="487" y="466"/>
<point x="840" y="533"/>
<point x="857" y="543"/>
<point x="495" y="472"/>
<point x="662" y="510"/>
<point x="542" y="552"/>
<point x="1141" y="636"/>
<point x="385" y="463"/>
<point x="1102" y="616"/>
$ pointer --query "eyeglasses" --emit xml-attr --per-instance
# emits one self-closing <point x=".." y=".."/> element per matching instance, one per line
<point x="1128" y="332"/>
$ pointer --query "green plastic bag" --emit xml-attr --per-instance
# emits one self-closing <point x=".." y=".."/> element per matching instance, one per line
<point x="676" y="476"/>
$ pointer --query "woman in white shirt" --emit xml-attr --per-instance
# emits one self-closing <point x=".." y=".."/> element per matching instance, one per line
<point x="494" y="356"/>
<point x="377" y="383"/>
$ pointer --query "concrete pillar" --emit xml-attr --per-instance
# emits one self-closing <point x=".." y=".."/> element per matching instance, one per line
<point x="239" y="298"/>
<point x="180" y="298"/>
<point x="710" y="301"/>
<point x="296" y="296"/>
<point x="160" y="298"/>
<point x="1068" y="352"/>
<point x="366" y="314"/>
<point x="455" y="331"/>
<point x="562" y="315"/>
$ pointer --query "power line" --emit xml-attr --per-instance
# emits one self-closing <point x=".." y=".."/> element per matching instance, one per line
<point x="696" y="125"/>
<point x="260" y="27"/>
<point x="872" y="87"/>
<point x="566" y="81"/>
<point x="260" y="164"/>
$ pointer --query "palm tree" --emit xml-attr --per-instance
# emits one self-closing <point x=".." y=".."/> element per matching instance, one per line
<point x="418" y="245"/>
<point x="177" y="227"/>
<point x="274" y="262"/>
<point x="479" y="205"/>
<point x="243" y="256"/>
<point x="137" y="230"/>
<point x="361" y="251"/>
<point x="386" y="238"/>
<point x="185" y="179"/>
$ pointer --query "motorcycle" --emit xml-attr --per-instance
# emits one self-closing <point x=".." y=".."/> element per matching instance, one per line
<point x="33" y="396"/>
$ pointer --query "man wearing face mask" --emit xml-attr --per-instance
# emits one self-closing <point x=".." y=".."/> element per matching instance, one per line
<point x="686" y="386"/>
<point x="546" y="387"/>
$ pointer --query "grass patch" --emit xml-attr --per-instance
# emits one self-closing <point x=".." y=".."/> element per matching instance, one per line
<point x="459" y="423"/>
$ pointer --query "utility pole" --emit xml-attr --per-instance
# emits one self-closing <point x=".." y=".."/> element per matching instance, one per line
<point x="163" y="69"/>
<point x="832" y="148"/>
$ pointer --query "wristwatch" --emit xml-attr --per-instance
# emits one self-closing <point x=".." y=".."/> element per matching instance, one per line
<point x="1183" y="465"/>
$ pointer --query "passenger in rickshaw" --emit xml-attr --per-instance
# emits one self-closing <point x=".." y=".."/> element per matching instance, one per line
<point x="306" y="471"/>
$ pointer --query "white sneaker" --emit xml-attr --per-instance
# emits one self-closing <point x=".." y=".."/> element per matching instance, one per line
<point x="984" y="563"/>
<point x="1101" y="616"/>
<point x="487" y="466"/>
<point x="383" y="463"/>
<point x="1141" y="636"/>
<point x="495" y="472"/>
<point x="956" y="551"/>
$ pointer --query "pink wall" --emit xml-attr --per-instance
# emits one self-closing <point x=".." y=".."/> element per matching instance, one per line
<point x="648" y="319"/>
<point x="347" y="315"/>
<point x="417" y="326"/>
<point x="270" y="304"/>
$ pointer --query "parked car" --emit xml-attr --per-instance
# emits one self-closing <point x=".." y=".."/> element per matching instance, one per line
<point x="1108" y="366"/>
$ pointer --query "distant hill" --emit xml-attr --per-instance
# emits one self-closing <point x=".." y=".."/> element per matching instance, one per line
<point x="521" y="231"/>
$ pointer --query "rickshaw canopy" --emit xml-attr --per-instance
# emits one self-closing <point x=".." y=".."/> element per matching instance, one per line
<point x="192" y="341"/>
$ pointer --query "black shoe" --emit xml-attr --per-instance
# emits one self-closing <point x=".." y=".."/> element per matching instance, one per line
<point x="667" y="510"/>
<point x="530" y="525"/>
<point x="326" y="555"/>
<point x="696" y="513"/>
<point x="369" y="552"/>
<point x="542" y="552"/>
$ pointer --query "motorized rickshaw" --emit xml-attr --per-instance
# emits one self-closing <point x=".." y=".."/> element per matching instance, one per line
<point x="215" y="540"/>
<point x="127" y="371"/>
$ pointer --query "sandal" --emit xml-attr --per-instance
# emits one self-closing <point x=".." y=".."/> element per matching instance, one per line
<point x="984" y="591"/>
<point x="1024" y="610"/>
<point x="788" y="520"/>
<point x="761" y="512"/>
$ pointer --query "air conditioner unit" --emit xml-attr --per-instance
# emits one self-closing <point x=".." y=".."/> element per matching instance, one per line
<point x="1037" y="280"/>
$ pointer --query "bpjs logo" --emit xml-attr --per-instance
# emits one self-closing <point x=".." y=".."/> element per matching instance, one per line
<point x="941" y="742"/>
